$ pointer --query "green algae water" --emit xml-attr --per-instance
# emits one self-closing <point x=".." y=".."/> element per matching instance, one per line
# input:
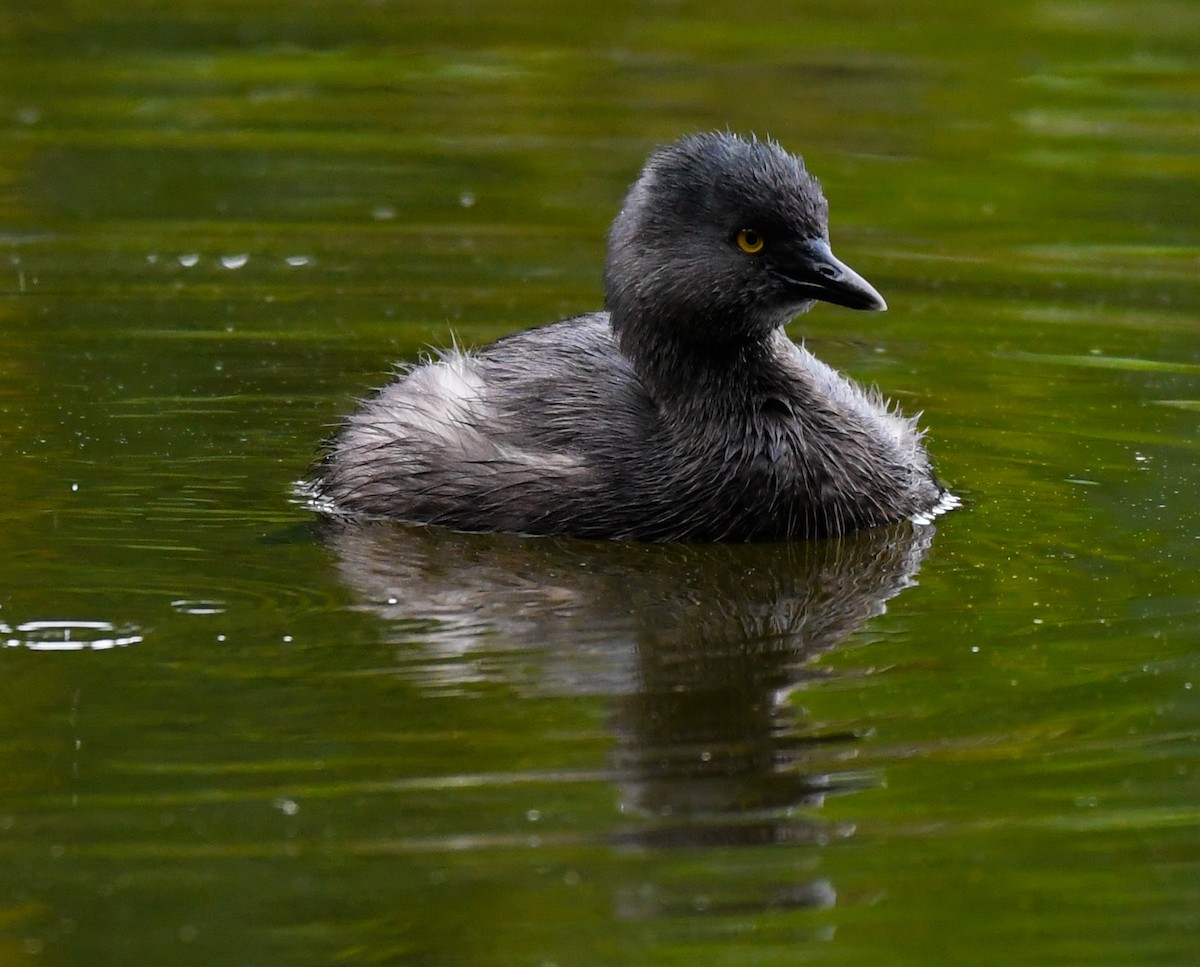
<point x="232" y="734"/>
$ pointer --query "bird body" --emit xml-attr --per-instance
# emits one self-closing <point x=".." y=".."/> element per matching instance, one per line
<point x="682" y="412"/>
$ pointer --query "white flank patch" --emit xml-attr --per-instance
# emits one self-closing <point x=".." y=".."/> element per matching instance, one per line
<point x="443" y="407"/>
<point x="445" y="399"/>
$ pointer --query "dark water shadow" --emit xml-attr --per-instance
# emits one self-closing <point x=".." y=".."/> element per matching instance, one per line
<point x="699" y="650"/>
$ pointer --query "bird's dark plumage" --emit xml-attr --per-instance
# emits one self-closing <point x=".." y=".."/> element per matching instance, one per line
<point x="682" y="412"/>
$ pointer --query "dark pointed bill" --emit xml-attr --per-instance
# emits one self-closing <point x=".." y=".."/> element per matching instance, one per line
<point x="818" y="274"/>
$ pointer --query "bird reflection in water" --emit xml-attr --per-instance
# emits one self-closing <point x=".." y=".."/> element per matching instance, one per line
<point x="699" y="649"/>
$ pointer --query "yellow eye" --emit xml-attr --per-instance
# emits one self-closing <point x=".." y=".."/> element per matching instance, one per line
<point x="749" y="241"/>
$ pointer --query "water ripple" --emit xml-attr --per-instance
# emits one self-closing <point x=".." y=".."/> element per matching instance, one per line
<point x="67" y="635"/>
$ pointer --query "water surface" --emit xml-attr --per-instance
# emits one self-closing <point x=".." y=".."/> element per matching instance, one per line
<point x="233" y="735"/>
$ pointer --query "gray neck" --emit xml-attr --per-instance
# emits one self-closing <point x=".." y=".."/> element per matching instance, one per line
<point x="705" y="378"/>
